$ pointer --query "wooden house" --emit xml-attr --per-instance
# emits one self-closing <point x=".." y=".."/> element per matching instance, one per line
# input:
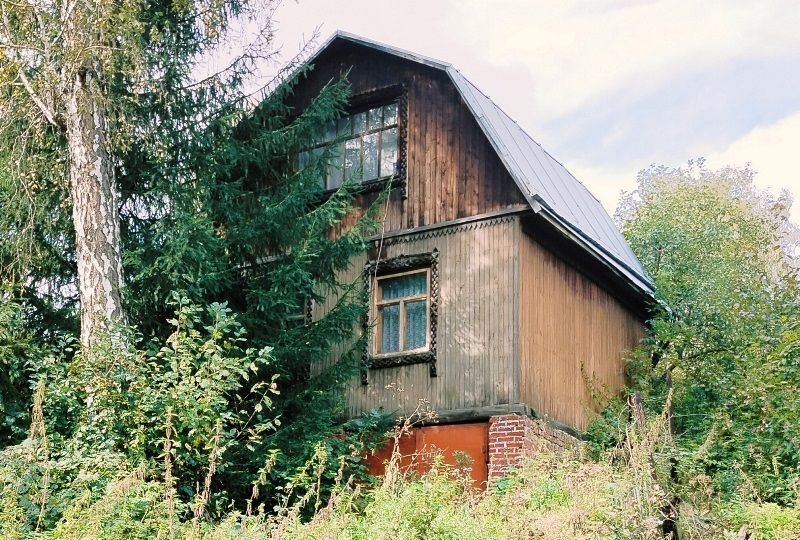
<point x="502" y="292"/>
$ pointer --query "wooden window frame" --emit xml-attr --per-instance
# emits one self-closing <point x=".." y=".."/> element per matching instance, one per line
<point x="397" y="93"/>
<point x="377" y="304"/>
<point x="377" y="269"/>
<point x="380" y="131"/>
<point x="341" y="139"/>
<point x="381" y="96"/>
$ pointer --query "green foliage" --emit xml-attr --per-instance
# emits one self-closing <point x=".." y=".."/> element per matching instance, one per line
<point x="608" y="428"/>
<point x="217" y="225"/>
<point x="129" y="509"/>
<point x="768" y="520"/>
<point x="213" y="391"/>
<point x="214" y="208"/>
<point x="553" y="495"/>
<point x="41" y="491"/>
<point x="720" y="254"/>
<point x="17" y="351"/>
<point x="199" y="406"/>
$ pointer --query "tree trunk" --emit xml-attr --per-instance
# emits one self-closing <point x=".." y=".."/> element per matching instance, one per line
<point x="95" y="211"/>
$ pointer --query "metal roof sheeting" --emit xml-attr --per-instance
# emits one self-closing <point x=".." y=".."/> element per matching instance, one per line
<point x="546" y="183"/>
<point x="545" y="179"/>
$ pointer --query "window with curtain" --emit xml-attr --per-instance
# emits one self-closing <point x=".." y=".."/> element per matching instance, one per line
<point x="363" y="146"/>
<point x="401" y="305"/>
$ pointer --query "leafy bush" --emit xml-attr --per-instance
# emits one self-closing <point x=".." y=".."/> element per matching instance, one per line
<point x="20" y="355"/>
<point x="182" y="414"/>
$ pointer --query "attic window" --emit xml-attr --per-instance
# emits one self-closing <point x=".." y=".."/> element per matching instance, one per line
<point x="363" y="146"/>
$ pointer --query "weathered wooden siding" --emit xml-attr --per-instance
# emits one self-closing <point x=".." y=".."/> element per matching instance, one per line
<point x="477" y="333"/>
<point x="573" y="338"/>
<point x="516" y="323"/>
<point x="452" y="170"/>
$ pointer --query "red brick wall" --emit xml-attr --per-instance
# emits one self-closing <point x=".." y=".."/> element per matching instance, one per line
<point x="512" y="437"/>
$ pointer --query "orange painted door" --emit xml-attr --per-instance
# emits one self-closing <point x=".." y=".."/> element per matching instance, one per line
<point x="455" y="442"/>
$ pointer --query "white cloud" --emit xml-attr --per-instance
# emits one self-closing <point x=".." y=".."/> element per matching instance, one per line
<point x="605" y="184"/>
<point x="773" y="152"/>
<point x="577" y="51"/>
<point x="543" y="60"/>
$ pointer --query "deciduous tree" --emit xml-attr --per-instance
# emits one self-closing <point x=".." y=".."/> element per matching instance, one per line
<point x="722" y="256"/>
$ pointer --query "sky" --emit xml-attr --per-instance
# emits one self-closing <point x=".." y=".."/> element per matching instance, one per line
<point x="608" y="87"/>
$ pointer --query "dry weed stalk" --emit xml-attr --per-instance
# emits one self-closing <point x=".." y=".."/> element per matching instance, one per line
<point x="421" y="415"/>
<point x="263" y="474"/>
<point x="169" y="482"/>
<point x="287" y="514"/>
<point x="644" y="441"/>
<point x="201" y="502"/>
<point x="39" y="451"/>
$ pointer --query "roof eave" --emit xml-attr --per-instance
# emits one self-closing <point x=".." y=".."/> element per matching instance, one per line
<point x="638" y="283"/>
<point x="537" y="203"/>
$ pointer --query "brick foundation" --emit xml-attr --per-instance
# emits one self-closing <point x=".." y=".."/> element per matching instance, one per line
<point x="512" y="437"/>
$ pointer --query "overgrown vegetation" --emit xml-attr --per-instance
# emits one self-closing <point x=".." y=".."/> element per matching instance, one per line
<point x="727" y="347"/>
<point x="194" y="418"/>
<point x="621" y="493"/>
<point x="225" y="246"/>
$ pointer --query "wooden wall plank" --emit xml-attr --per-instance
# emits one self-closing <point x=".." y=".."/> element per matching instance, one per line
<point x="574" y="338"/>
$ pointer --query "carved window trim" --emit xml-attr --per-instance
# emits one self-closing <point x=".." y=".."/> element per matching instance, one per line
<point x="402" y="263"/>
<point x="305" y="315"/>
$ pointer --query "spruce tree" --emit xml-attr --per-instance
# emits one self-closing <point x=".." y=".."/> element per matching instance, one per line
<point x="253" y="231"/>
<point x="209" y="202"/>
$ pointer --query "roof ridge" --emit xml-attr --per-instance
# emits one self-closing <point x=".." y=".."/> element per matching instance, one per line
<point x="388" y="48"/>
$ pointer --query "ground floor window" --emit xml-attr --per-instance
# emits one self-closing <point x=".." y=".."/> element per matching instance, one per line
<point x="402" y="322"/>
<point x="401" y="306"/>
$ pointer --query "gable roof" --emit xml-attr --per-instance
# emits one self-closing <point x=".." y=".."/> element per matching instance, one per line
<point x="551" y="190"/>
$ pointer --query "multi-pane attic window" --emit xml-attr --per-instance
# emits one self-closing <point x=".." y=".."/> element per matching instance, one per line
<point x="363" y="146"/>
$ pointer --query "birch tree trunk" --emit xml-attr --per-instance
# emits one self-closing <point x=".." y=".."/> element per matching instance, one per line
<point x="95" y="210"/>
